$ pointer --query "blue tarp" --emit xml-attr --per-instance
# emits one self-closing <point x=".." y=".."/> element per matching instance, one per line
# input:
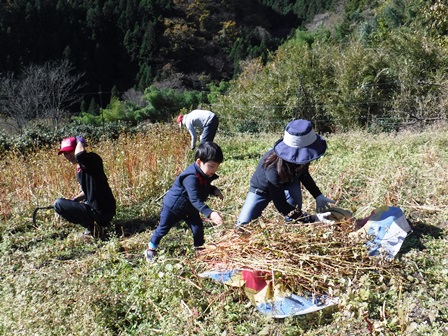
<point x="270" y="299"/>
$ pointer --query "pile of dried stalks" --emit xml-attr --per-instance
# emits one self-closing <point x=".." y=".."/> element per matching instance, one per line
<point x="305" y="257"/>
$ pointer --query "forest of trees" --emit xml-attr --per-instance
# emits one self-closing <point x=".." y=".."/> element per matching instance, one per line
<point x="251" y="60"/>
<point x="129" y="43"/>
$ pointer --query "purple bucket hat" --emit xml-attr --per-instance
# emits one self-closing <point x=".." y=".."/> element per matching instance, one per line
<point x="300" y="144"/>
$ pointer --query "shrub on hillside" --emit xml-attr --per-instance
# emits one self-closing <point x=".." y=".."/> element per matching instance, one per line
<point x="41" y="136"/>
<point x="340" y="86"/>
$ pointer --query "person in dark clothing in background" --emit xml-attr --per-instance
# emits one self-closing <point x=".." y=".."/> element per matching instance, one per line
<point x="186" y="198"/>
<point x="95" y="203"/>
<point x="280" y="173"/>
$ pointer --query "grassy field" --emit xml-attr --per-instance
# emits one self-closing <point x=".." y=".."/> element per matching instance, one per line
<point x="53" y="282"/>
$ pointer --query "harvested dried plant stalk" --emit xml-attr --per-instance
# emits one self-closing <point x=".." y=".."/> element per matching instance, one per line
<point x="305" y="257"/>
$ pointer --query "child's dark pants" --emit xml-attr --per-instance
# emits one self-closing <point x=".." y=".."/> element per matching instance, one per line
<point x="169" y="218"/>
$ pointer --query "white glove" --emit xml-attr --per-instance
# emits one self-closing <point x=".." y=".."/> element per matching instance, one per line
<point x="322" y="217"/>
<point x="322" y="203"/>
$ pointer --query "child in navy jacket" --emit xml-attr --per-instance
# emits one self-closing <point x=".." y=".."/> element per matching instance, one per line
<point x="186" y="198"/>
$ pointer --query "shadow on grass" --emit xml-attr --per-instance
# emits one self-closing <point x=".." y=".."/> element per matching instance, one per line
<point x="28" y="245"/>
<point x="414" y="239"/>
<point x="129" y="227"/>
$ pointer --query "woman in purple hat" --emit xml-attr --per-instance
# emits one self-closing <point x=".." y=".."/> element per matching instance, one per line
<point x="280" y="173"/>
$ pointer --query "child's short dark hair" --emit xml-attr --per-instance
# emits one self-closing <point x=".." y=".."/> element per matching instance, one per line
<point x="209" y="151"/>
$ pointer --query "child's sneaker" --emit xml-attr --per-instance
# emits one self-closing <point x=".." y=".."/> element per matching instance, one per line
<point x="201" y="250"/>
<point x="87" y="234"/>
<point x="150" y="254"/>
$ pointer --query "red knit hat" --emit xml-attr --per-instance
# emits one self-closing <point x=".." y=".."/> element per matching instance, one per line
<point x="68" y="145"/>
<point x="180" y="118"/>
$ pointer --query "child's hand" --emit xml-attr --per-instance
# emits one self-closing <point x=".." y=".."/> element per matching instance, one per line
<point x="216" y="218"/>
<point x="219" y="194"/>
<point x="81" y="140"/>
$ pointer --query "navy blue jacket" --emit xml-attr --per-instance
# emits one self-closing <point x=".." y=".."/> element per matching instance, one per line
<point x="189" y="192"/>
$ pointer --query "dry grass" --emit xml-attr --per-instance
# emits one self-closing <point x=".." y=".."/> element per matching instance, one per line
<point x="304" y="257"/>
<point x="53" y="282"/>
<point x="135" y="166"/>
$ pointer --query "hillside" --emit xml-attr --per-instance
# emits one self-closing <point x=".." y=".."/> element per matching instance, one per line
<point x="54" y="282"/>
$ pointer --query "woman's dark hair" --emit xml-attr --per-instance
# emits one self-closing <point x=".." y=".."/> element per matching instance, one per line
<point x="209" y="151"/>
<point x="286" y="170"/>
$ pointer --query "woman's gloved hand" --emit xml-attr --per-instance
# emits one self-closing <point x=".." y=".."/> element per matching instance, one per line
<point x="305" y="218"/>
<point x="322" y="217"/>
<point x="322" y="203"/>
<point x="293" y="215"/>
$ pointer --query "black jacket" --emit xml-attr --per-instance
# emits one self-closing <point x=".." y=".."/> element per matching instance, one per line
<point x="94" y="183"/>
<point x="266" y="181"/>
